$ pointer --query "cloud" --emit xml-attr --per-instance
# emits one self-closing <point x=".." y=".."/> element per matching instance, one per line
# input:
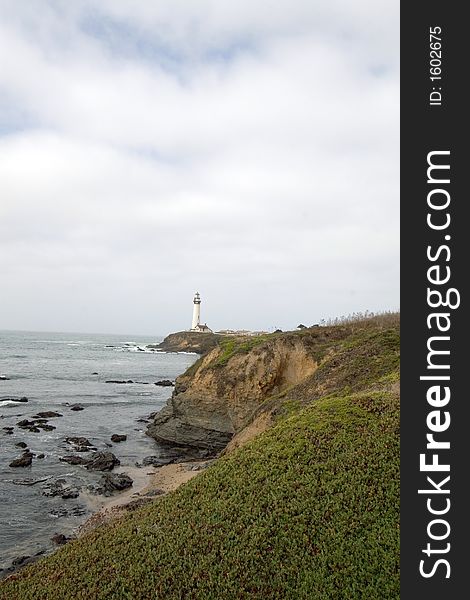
<point x="151" y="149"/>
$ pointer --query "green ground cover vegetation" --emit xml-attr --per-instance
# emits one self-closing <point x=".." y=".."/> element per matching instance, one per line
<point x="309" y="509"/>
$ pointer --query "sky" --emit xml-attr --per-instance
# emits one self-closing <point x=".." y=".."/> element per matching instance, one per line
<point x="245" y="150"/>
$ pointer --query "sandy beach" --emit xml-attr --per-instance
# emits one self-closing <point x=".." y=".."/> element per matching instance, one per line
<point x="149" y="483"/>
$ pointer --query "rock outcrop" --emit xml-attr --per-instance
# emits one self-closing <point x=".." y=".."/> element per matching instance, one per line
<point x="188" y="341"/>
<point x="111" y="483"/>
<point x="103" y="461"/>
<point x="23" y="461"/>
<point x="220" y="394"/>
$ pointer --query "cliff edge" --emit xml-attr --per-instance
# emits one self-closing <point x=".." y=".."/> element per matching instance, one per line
<point x="188" y="341"/>
<point x="235" y="390"/>
<point x="217" y="396"/>
<point x="310" y="508"/>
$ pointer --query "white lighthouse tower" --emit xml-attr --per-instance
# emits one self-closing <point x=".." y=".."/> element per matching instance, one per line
<point x="196" y="312"/>
<point x="196" y="324"/>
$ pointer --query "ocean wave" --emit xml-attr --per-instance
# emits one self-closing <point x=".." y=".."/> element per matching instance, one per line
<point x="65" y="342"/>
<point x="146" y="350"/>
<point x="142" y="398"/>
<point x="135" y="349"/>
<point x="11" y="403"/>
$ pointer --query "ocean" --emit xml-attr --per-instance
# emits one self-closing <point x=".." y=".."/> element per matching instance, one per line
<point x="55" y="371"/>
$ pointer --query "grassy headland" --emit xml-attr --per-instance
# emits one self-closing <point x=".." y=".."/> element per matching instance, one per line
<point x="308" y="509"/>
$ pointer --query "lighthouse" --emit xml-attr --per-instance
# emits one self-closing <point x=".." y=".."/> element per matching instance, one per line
<point x="196" y="312"/>
<point x="196" y="324"/>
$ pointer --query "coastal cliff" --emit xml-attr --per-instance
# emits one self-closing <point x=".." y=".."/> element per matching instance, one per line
<point x="235" y="389"/>
<point x="218" y="395"/>
<point x="303" y="502"/>
<point x="188" y="341"/>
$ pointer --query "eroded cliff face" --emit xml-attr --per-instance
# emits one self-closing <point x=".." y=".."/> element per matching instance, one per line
<point x="236" y="390"/>
<point x="219" y="395"/>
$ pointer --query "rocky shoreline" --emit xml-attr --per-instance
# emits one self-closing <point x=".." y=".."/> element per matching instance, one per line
<point x="108" y="504"/>
<point x="157" y="484"/>
<point x="223" y="392"/>
<point x="119" y="488"/>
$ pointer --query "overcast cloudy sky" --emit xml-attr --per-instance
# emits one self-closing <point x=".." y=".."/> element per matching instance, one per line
<point x="247" y="149"/>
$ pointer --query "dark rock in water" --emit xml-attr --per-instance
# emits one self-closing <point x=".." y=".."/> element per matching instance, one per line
<point x="112" y="482"/>
<point x="103" y="461"/>
<point x="47" y="414"/>
<point x="25" y="423"/>
<point x="62" y="511"/>
<point x="8" y="428"/>
<point x="76" y="407"/>
<point x="95" y="373"/>
<point x="157" y="461"/>
<point x="118" y="438"/>
<point x="36" y="425"/>
<point x="28" y="481"/>
<point x="60" y="539"/>
<point x="78" y="441"/>
<point x="118" y="481"/>
<point x="4" y="378"/>
<point x="60" y="488"/>
<point x="41" y="456"/>
<point x="8" y="432"/>
<point x="19" y="560"/>
<point x="46" y="427"/>
<point x="70" y="493"/>
<point x="165" y="383"/>
<point x="74" y="460"/>
<point x="53" y="488"/>
<point x="80" y="444"/>
<point x="23" y="399"/>
<point x="21" y="445"/>
<point x="119" y="381"/>
<point x="23" y="461"/>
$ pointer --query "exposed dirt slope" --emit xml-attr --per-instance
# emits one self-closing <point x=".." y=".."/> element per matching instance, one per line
<point x="241" y="379"/>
